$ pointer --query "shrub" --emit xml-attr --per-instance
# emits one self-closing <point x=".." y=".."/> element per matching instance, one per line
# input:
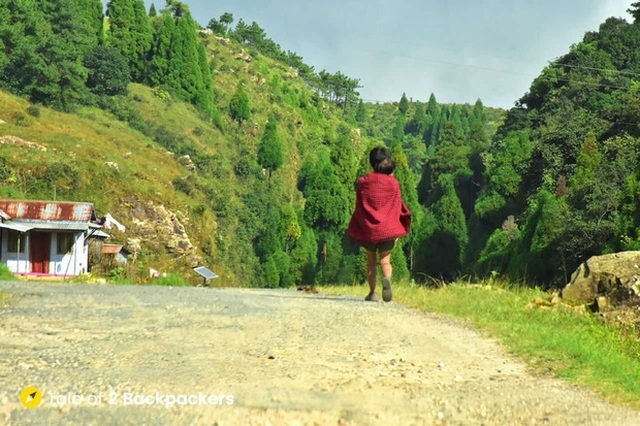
<point x="173" y="280"/>
<point x="33" y="111"/>
<point x="22" y="120"/>
<point x="181" y="184"/>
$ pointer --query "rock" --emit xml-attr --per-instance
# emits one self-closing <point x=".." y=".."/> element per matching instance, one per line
<point x="607" y="281"/>
<point x="186" y="161"/>
<point x="16" y="141"/>
<point x="112" y="165"/>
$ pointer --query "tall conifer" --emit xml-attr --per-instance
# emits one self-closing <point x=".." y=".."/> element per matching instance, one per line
<point x="130" y="31"/>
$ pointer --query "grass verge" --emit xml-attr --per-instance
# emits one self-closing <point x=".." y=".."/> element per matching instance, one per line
<point x="575" y="346"/>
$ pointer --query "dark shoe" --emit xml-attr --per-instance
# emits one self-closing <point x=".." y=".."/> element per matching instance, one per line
<point x="386" y="289"/>
<point x="371" y="297"/>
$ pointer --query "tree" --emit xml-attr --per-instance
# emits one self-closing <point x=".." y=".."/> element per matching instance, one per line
<point x="270" y="153"/>
<point x="130" y="31"/>
<point x="442" y="235"/>
<point x="585" y="177"/>
<point x="452" y="155"/>
<point x="403" y="106"/>
<point x="160" y="52"/>
<point x="239" y="105"/>
<point x="414" y="126"/>
<point x="327" y="206"/>
<point x="108" y="71"/>
<point x="500" y="193"/>
<point x="24" y="32"/>
<point x="226" y="19"/>
<point x="634" y="10"/>
<point x="361" y="112"/>
<point x="217" y="27"/>
<point x="44" y="43"/>
<point x="152" y="11"/>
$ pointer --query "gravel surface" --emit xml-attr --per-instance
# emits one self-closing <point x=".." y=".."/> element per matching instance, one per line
<point x="132" y="355"/>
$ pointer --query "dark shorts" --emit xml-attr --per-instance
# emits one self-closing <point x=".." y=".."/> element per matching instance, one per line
<point x="381" y="246"/>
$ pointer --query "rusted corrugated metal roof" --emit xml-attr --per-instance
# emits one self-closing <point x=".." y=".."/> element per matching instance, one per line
<point x="48" y="210"/>
<point x="111" y="248"/>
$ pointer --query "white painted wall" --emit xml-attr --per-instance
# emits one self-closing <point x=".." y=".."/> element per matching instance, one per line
<point x="73" y="263"/>
<point x="17" y="263"/>
<point x="70" y="264"/>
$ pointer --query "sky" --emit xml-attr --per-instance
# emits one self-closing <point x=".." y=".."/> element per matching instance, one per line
<point x="460" y="50"/>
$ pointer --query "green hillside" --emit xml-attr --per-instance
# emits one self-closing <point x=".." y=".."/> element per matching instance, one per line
<point x="214" y="146"/>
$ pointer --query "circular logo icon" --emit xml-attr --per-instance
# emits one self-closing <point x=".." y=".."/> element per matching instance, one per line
<point x="31" y="397"/>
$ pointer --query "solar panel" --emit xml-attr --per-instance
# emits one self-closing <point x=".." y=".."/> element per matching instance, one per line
<point x="207" y="274"/>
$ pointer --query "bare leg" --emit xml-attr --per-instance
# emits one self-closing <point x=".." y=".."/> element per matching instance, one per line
<point x="385" y="263"/>
<point x="371" y="270"/>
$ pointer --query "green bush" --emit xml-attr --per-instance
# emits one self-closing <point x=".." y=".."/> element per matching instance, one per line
<point x="22" y="120"/>
<point x="5" y="273"/>
<point x="173" y="280"/>
<point x="33" y="111"/>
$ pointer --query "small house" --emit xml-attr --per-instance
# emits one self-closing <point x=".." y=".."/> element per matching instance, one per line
<point x="46" y="237"/>
<point x="115" y="254"/>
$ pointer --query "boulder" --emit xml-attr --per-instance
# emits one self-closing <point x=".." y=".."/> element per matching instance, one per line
<point x="608" y="282"/>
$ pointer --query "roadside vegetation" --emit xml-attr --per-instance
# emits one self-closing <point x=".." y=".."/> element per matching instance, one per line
<point x="560" y="340"/>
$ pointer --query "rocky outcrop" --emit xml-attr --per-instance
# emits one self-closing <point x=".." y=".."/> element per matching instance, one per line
<point x="155" y="225"/>
<point x="608" y="283"/>
<point x="16" y="141"/>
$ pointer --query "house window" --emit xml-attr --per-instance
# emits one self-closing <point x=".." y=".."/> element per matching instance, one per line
<point x="65" y="242"/>
<point x="16" y="242"/>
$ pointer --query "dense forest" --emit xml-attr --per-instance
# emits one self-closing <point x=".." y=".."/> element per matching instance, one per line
<point x="255" y="154"/>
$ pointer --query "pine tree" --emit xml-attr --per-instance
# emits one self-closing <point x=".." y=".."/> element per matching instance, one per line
<point x="479" y="115"/>
<point x="71" y="34"/>
<point x="414" y="126"/>
<point x="397" y="134"/>
<point x="327" y="206"/>
<point x="160" y="53"/>
<point x="361" y="113"/>
<point x="270" y="152"/>
<point x="403" y="106"/>
<point x="96" y="15"/>
<point x="188" y="71"/>
<point x="130" y="31"/>
<point x="409" y="192"/>
<point x="451" y="237"/>
<point x="24" y="33"/>
<point x="152" y="11"/>
<point x="451" y="155"/>
<point x="239" y="105"/>
<point x="634" y="10"/>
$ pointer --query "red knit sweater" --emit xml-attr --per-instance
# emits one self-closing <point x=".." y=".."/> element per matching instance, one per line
<point x="380" y="213"/>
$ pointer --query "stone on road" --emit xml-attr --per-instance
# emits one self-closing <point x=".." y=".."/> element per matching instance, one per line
<point x="153" y="355"/>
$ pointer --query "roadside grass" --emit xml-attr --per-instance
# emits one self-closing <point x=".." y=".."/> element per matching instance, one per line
<point x="560" y="341"/>
<point x="5" y="274"/>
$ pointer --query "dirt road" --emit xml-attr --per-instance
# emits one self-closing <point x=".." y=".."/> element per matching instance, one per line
<point x="157" y="355"/>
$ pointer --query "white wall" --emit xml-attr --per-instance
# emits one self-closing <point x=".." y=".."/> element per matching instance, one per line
<point x="21" y="266"/>
<point x="73" y="263"/>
